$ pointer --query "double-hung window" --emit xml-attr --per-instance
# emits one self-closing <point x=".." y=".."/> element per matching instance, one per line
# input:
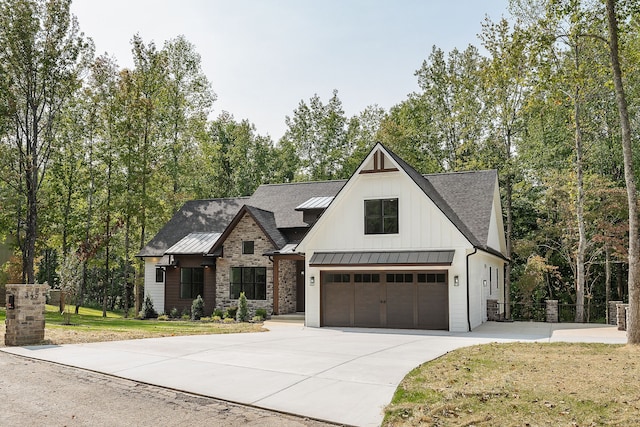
<point x="381" y="216"/>
<point x="250" y="280"/>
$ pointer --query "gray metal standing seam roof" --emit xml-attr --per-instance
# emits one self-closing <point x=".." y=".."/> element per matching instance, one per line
<point x="383" y="257"/>
<point x="194" y="243"/>
<point x="322" y="202"/>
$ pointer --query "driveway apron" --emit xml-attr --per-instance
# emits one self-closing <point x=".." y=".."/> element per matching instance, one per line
<point x="342" y="375"/>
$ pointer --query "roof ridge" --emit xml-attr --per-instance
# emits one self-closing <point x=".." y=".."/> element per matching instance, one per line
<point x="303" y="182"/>
<point x="213" y="199"/>
<point x="459" y="172"/>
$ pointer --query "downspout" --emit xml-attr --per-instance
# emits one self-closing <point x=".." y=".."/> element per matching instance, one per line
<point x="475" y="250"/>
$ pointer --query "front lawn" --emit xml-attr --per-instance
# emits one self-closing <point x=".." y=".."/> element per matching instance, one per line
<point x="522" y="384"/>
<point x="90" y="326"/>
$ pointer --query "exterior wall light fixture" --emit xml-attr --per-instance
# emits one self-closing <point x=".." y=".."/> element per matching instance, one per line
<point x="456" y="281"/>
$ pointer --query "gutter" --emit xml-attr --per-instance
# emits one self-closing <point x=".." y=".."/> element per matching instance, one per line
<point x="475" y="250"/>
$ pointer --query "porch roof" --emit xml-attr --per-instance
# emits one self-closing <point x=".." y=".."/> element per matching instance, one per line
<point x="382" y="258"/>
<point x="194" y="244"/>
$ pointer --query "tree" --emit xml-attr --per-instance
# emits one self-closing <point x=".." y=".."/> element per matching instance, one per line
<point x="506" y="78"/>
<point x="450" y="106"/>
<point x="188" y="99"/>
<point x="633" y="332"/>
<point x="41" y="55"/>
<point x="318" y="132"/>
<point x="238" y="158"/>
<point x="70" y="280"/>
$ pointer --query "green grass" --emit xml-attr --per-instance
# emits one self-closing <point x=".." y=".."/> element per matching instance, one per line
<point x="519" y="384"/>
<point x="90" y="326"/>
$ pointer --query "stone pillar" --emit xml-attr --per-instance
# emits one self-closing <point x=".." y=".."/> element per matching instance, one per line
<point x="621" y="316"/>
<point x="493" y="312"/>
<point x="612" y="312"/>
<point x="551" y="307"/>
<point x="25" y="318"/>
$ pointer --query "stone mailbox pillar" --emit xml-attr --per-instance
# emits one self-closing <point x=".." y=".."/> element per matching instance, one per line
<point x="551" y="311"/>
<point x="25" y="314"/>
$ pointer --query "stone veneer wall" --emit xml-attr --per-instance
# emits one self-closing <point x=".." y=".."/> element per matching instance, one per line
<point x="621" y="316"/>
<point x="287" y="286"/>
<point x="25" y="322"/>
<point x="612" y="312"/>
<point x="551" y="311"/>
<point x="493" y="311"/>
<point x="246" y="229"/>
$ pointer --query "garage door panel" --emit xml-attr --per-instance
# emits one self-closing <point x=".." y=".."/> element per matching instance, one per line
<point x="399" y="300"/>
<point x="400" y="305"/>
<point x="337" y="304"/>
<point x="366" y="305"/>
<point x="433" y="306"/>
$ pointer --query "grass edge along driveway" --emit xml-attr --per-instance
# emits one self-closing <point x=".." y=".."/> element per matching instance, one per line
<point x="522" y="384"/>
<point x="90" y="326"/>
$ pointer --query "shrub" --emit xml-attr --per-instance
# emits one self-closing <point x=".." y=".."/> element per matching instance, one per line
<point x="257" y="319"/>
<point x="197" y="308"/>
<point x="148" y="312"/>
<point x="243" y="309"/>
<point x="216" y="318"/>
<point x="186" y="317"/>
<point x="231" y="313"/>
<point x="262" y="313"/>
<point x="163" y="317"/>
<point x="206" y="319"/>
<point x="229" y="320"/>
<point x="174" y="313"/>
<point x="219" y="313"/>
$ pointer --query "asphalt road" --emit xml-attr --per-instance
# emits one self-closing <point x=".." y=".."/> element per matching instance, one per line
<point x="37" y="393"/>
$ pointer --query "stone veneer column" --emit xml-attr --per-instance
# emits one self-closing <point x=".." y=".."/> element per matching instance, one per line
<point x="551" y="311"/>
<point x="25" y="321"/>
<point x="621" y="316"/>
<point x="612" y="312"/>
<point x="492" y="310"/>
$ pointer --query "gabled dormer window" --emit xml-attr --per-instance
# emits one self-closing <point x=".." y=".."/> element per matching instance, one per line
<point x="381" y="216"/>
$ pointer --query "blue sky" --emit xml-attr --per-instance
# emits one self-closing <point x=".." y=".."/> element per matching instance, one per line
<point x="264" y="56"/>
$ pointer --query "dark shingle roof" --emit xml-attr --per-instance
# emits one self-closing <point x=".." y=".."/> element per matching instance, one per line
<point x="466" y="198"/>
<point x="282" y="199"/>
<point x="213" y="215"/>
<point x="266" y="220"/>
<point x="470" y="195"/>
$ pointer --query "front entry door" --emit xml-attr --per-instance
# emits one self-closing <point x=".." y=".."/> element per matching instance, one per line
<point x="299" y="285"/>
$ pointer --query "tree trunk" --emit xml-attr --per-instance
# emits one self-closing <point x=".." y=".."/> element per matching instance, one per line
<point x="507" y="274"/>
<point x="582" y="238"/>
<point x="633" y="327"/>
<point x="607" y="278"/>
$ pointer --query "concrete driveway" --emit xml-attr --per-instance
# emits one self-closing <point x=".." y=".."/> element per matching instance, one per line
<point x="344" y="375"/>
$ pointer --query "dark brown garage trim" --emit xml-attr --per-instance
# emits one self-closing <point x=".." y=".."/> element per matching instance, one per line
<point x="437" y="258"/>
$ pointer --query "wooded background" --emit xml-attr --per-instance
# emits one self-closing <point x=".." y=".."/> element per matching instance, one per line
<point x="95" y="158"/>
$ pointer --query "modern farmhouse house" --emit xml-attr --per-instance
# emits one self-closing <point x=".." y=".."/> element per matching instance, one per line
<point x="388" y="248"/>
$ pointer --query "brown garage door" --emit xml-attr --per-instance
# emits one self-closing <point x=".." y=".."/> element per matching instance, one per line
<point x="389" y="300"/>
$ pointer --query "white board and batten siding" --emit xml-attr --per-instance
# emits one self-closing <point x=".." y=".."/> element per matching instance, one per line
<point x="421" y="226"/>
<point x="153" y="289"/>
